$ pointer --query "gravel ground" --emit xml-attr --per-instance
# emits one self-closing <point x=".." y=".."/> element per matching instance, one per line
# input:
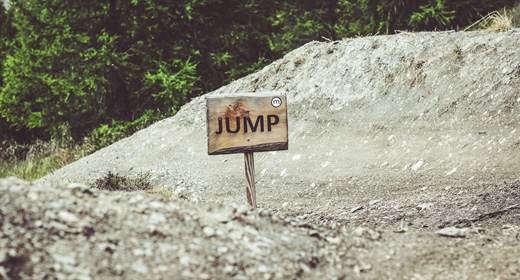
<point x="75" y="232"/>
<point x="402" y="164"/>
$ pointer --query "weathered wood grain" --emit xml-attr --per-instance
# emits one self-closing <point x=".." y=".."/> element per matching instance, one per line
<point x="250" y="176"/>
<point x="261" y="126"/>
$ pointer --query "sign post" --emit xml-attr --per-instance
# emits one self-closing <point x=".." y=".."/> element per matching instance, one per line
<point x="247" y="123"/>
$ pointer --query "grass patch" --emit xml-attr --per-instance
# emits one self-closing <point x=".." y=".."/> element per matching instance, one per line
<point x="115" y="182"/>
<point x="493" y="22"/>
<point x="31" y="162"/>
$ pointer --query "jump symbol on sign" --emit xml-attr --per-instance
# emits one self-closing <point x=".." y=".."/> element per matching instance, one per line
<point x="276" y="102"/>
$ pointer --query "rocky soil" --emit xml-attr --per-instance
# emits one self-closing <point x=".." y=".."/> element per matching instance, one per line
<point x="402" y="164"/>
<point x="74" y="232"/>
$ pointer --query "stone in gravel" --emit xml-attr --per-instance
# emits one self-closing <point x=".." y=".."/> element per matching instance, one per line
<point x="3" y="274"/>
<point x="333" y="240"/>
<point x="314" y="233"/>
<point x="76" y="185"/>
<point x="3" y="255"/>
<point x="242" y="209"/>
<point x="208" y="231"/>
<point x="417" y="165"/>
<point x="67" y="217"/>
<point x="452" y="232"/>
<point x="305" y="268"/>
<point x="372" y="202"/>
<point x="363" y="268"/>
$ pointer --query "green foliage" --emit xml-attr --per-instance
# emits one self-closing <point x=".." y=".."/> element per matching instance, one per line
<point x="226" y="36"/>
<point x="60" y="73"/>
<point x="106" y="134"/>
<point x="6" y="34"/>
<point x="47" y="83"/>
<point x="169" y="89"/>
<point x="431" y="16"/>
<point x="115" y="182"/>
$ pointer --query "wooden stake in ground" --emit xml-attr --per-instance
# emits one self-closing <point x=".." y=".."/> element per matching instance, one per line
<point x="247" y="123"/>
<point x="250" y="176"/>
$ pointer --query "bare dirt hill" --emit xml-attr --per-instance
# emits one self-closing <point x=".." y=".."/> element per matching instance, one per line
<point x="401" y="119"/>
<point x="391" y="138"/>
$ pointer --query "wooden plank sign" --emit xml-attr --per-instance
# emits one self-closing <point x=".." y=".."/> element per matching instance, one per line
<point x="248" y="122"/>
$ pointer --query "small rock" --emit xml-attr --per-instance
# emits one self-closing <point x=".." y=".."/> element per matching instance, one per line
<point x="32" y="196"/>
<point x="363" y="268"/>
<point x="333" y="240"/>
<point x="70" y="260"/>
<point x="76" y="185"/>
<point x="417" y="165"/>
<point x="452" y="232"/>
<point x="3" y="255"/>
<point x="156" y="204"/>
<point x="157" y="218"/>
<point x="188" y="274"/>
<point x="185" y="260"/>
<point x="297" y="157"/>
<point x="314" y="233"/>
<point x="67" y="217"/>
<point x="372" y="202"/>
<point x="359" y="231"/>
<point x="305" y="268"/>
<point x="222" y="250"/>
<point x="208" y="231"/>
<point x="242" y="209"/>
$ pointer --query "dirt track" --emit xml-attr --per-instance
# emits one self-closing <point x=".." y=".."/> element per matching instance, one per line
<point x="405" y="134"/>
<point x="408" y="120"/>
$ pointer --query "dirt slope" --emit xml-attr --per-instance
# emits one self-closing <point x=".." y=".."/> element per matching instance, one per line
<point x="406" y="134"/>
<point x="403" y="119"/>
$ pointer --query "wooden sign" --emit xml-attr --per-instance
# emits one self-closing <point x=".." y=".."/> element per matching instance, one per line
<point x="248" y="122"/>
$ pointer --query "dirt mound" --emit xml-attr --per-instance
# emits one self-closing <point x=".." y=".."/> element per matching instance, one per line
<point x="409" y="134"/>
<point x="397" y="119"/>
<point x="75" y="232"/>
